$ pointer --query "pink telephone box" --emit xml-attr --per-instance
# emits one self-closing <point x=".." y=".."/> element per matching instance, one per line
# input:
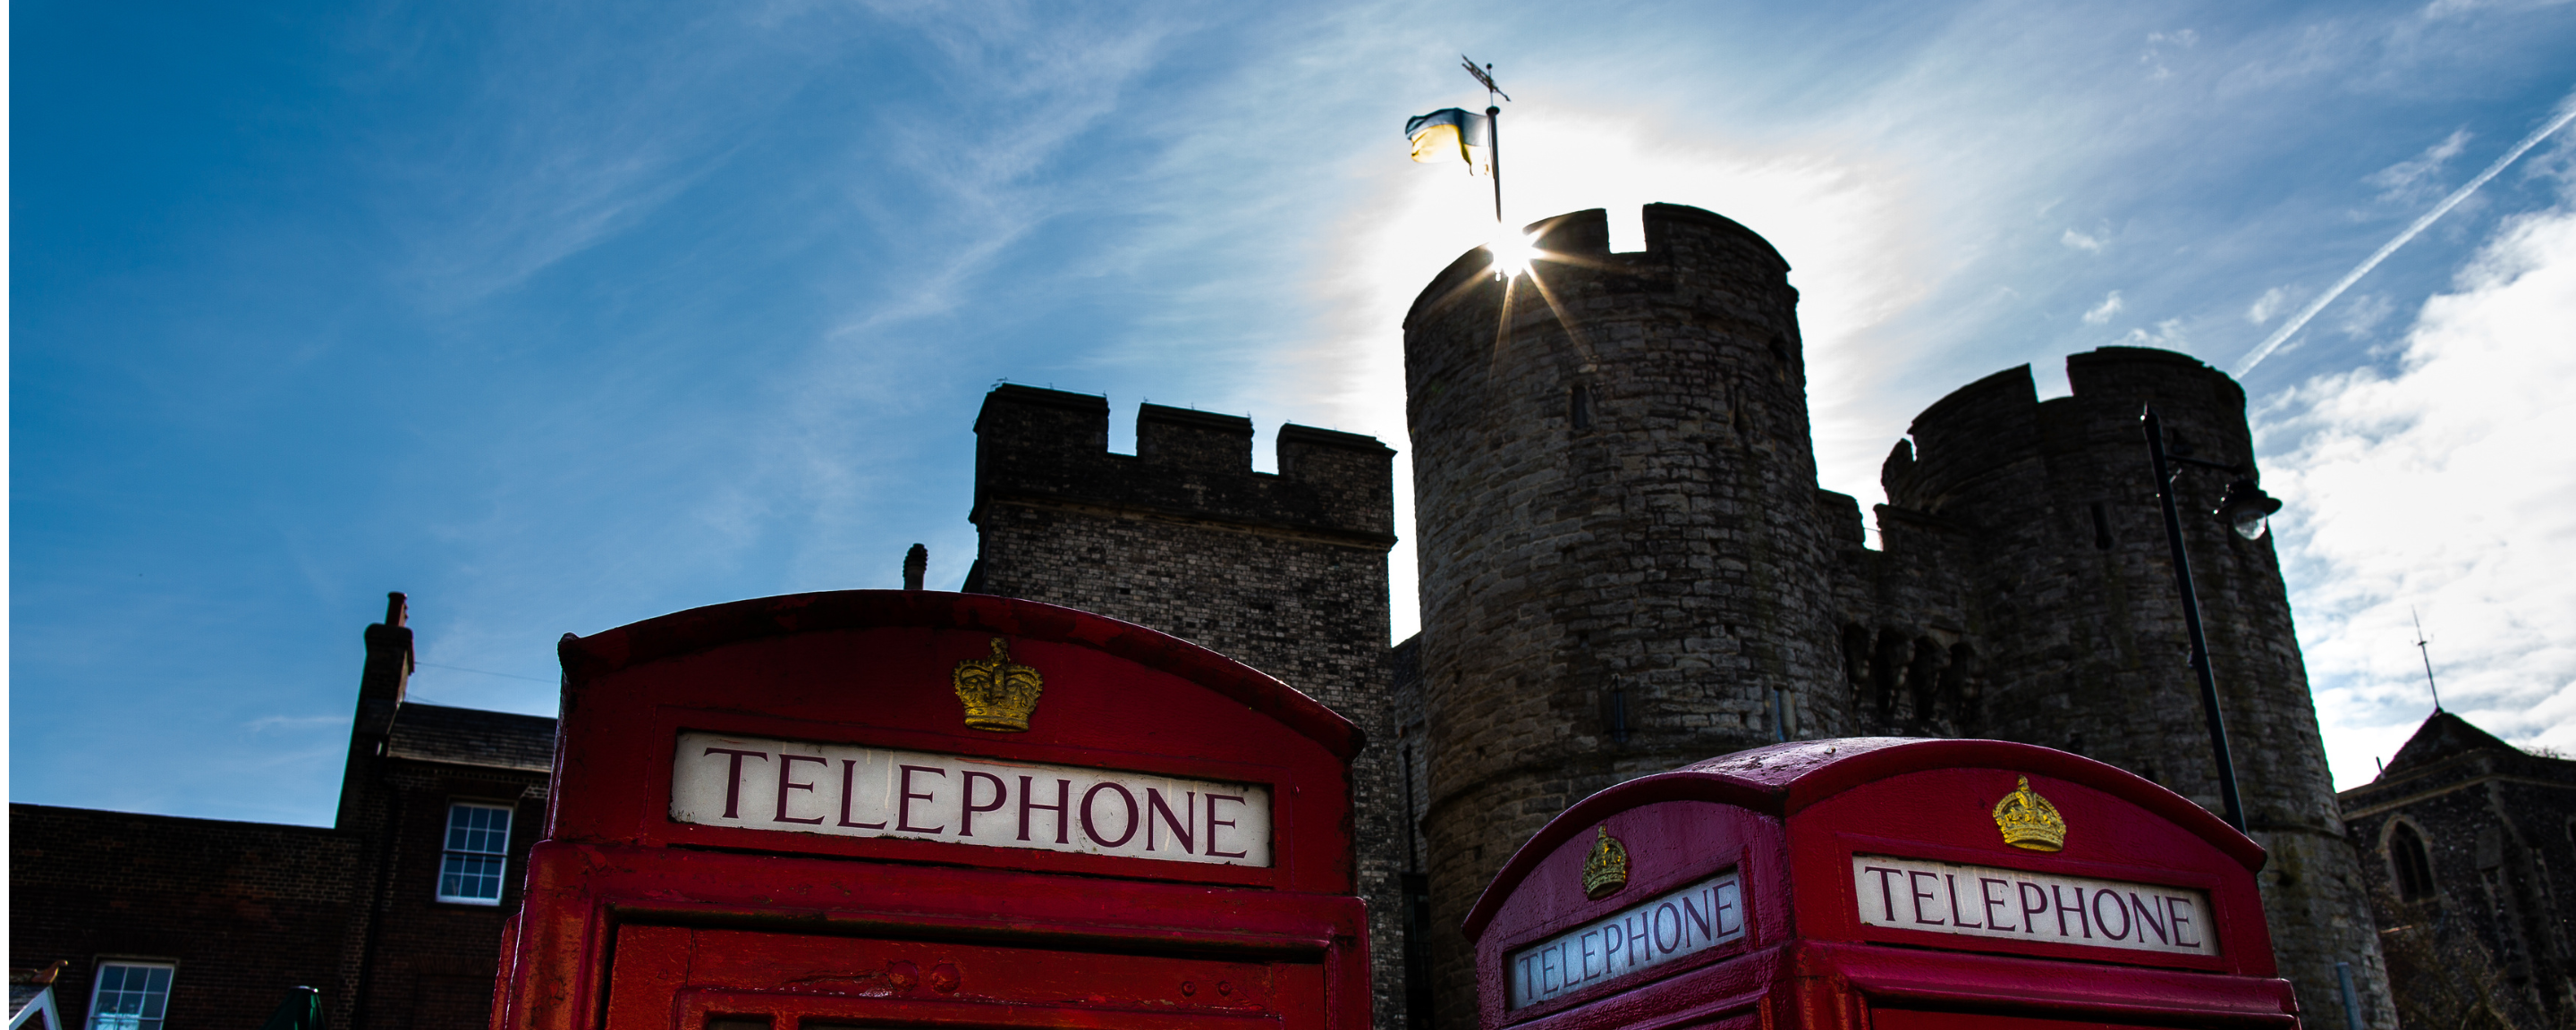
<point x="1886" y="883"/>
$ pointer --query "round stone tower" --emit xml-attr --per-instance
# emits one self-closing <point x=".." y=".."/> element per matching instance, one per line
<point x="1622" y="560"/>
<point x="2050" y="518"/>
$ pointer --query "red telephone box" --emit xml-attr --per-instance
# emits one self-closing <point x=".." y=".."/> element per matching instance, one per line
<point x="891" y="808"/>
<point x="1885" y="883"/>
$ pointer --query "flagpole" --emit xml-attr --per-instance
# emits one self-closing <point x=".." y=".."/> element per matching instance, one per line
<point x="1493" y="128"/>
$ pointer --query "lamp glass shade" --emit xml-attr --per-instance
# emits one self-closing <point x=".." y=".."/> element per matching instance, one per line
<point x="2250" y="523"/>
<point x="2246" y="507"/>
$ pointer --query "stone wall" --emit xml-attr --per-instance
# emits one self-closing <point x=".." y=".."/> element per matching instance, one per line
<point x="1627" y="566"/>
<point x="1620" y="542"/>
<point x="2487" y="941"/>
<point x="1284" y="572"/>
<point x="2025" y="552"/>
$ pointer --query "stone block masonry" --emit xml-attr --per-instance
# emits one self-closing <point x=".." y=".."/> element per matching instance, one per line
<point x="2025" y="592"/>
<point x="1627" y="565"/>
<point x="1284" y="572"/>
<point x="1622" y="554"/>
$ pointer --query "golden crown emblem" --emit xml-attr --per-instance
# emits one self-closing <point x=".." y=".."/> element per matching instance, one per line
<point x="2029" y="821"/>
<point x="1605" y="870"/>
<point x="998" y="694"/>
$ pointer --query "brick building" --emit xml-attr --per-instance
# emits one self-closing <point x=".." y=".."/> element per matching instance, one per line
<point x="2463" y="838"/>
<point x="394" y="913"/>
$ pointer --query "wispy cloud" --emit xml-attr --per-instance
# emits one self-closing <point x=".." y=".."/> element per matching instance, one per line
<point x="2102" y="312"/>
<point x="2159" y="44"/>
<point x="2565" y="112"/>
<point x="2081" y="241"/>
<point x="565" y="138"/>
<point x="2450" y="453"/>
<point x="2168" y="334"/>
<point x="2414" y="176"/>
<point x="2270" y="305"/>
<point x="2454" y="8"/>
<point x="291" y="723"/>
<point x="2364" y="313"/>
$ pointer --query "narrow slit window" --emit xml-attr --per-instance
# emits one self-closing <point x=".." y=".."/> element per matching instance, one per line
<point x="478" y="849"/>
<point x="1579" y="407"/>
<point x="130" y="996"/>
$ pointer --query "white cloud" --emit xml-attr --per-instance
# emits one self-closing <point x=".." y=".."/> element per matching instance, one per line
<point x="2167" y="335"/>
<point x="2154" y="57"/>
<point x="2443" y="487"/>
<point x="2270" y="304"/>
<point x="2409" y="178"/>
<point x="2439" y="9"/>
<point x="2102" y="312"/>
<point x="2364" y="313"/>
<point x="2081" y="241"/>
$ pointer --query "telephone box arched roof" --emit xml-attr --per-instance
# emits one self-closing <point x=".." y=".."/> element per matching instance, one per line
<point x="903" y="808"/>
<point x="1888" y="883"/>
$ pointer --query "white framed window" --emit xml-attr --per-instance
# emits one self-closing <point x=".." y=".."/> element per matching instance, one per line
<point x="130" y="995"/>
<point x="478" y="847"/>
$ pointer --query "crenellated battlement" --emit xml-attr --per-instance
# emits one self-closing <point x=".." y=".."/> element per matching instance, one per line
<point x="1982" y="428"/>
<point x="1037" y="446"/>
<point x="1686" y="248"/>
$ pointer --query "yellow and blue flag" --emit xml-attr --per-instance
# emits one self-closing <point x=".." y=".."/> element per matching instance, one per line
<point x="1450" y="132"/>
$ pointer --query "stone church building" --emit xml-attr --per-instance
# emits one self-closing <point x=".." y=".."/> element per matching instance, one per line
<point x="1626" y="565"/>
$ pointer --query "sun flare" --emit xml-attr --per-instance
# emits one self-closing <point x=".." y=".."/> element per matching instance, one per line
<point x="1513" y="253"/>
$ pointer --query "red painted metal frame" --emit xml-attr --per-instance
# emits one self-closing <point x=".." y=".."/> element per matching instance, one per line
<point x="782" y="926"/>
<point x="1791" y="816"/>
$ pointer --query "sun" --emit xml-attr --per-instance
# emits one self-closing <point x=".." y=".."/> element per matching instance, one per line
<point x="1513" y="253"/>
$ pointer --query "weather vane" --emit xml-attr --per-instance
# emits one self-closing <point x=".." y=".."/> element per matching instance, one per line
<point x="2426" y="646"/>
<point x="1493" y="126"/>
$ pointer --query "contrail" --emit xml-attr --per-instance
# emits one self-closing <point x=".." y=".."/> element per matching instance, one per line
<point x="2566" y="113"/>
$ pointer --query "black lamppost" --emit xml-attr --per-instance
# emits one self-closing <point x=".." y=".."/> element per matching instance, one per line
<point x="2244" y="508"/>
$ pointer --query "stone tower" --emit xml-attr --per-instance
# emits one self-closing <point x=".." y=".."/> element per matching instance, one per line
<point x="2025" y="592"/>
<point x="1622" y="553"/>
<point x="1285" y="573"/>
<point x="1627" y="565"/>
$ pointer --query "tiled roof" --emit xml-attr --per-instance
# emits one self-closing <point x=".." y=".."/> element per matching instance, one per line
<point x="469" y="736"/>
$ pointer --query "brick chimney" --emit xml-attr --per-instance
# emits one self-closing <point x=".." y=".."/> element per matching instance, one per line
<point x="381" y="685"/>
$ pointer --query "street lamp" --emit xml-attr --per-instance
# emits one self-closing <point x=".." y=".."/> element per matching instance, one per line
<point x="2244" y="507"/>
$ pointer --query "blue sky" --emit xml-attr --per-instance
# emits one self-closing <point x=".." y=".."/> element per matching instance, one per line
<point x="559" y="316"/>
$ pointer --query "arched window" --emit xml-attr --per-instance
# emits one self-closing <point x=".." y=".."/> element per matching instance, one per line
<point x="2414" y="868"/>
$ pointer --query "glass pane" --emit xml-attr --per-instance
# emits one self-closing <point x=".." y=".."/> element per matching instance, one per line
<point x="478" y="828"/>
<point x="130" y="997"/>
<point x="471" y="876"/>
